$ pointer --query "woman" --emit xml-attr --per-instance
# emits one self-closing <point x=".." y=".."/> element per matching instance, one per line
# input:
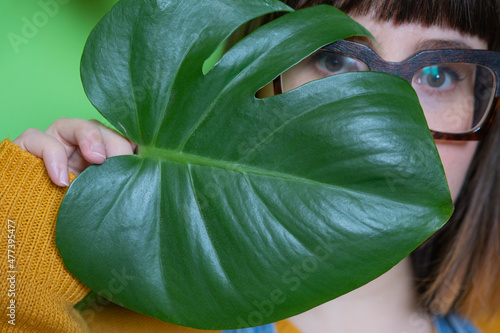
<point x="456" y="271"/>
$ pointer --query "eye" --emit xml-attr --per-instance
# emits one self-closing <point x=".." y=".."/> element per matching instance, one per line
<point x="438" y="77"/>
<point x="333" y="63"/>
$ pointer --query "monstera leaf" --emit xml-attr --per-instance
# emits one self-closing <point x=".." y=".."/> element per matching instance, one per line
<point x="237" y="210"/>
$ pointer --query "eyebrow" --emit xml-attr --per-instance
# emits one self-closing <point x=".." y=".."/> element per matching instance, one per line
<point x="429" y="44"/>
<point x="364" y="40"/>
<point x="436" y="44"/>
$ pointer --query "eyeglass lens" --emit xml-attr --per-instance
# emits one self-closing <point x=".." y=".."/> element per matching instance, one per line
<point x="455" y="97"/>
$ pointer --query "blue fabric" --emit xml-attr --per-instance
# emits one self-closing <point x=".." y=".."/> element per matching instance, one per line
<point x="270" y="328"/>
<point x="452" y="323"/>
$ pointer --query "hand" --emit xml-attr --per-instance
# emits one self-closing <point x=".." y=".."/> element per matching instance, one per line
<point x="72" y="144"/>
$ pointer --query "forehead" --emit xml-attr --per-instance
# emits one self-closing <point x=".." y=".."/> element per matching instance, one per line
<point x="396" y="42"/>
<point x="476" y="17"/>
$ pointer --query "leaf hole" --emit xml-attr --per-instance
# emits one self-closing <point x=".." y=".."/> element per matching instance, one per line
<point x="238" y="34"/>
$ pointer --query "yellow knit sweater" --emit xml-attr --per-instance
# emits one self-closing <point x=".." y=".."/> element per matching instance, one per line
<point x="37" y="293"/>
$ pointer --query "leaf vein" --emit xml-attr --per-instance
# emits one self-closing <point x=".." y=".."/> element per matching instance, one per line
<point x="171" y="87"/>
<point x="160" y="233"/>
<point x="222" y="272"/>
<point x="121" y="194"/>
<point x="226" y="87"/>
<point x="129" y="62"/>
<point x="266" y="208"/>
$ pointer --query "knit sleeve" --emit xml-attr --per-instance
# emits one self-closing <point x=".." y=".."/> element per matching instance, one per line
<point x="37" y="292"/>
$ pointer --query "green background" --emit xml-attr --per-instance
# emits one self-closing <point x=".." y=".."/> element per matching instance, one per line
<point x="41" y="43"/>
<point x="40" y="50"/>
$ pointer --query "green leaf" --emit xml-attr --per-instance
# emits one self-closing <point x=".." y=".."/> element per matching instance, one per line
<point x="240" y="211"/>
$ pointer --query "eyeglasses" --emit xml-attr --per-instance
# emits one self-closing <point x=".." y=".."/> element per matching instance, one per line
<point x="458" y="89"/>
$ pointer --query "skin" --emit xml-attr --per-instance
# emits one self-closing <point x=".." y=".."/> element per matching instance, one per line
<point x="71" y="145"/>
<point x="396" y="43"/>
<point x="386" y="304"/>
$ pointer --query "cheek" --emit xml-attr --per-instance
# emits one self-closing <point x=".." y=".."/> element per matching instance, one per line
<point x="302" y="73"/>
<point x="456" y="158"/>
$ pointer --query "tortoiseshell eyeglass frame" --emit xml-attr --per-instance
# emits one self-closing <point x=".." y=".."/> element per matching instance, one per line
<point x="407" y="68"/>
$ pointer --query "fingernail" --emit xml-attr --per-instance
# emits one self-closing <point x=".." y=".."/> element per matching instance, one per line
<point x="98" y="150"/>
<point x="64" y="178"/>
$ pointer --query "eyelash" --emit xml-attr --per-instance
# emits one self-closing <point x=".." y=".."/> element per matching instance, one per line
<point x="456" y="76"/>
<point x="318" y="58"/>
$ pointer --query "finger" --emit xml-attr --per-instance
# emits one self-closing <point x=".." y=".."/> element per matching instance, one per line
<point x="85" y="135"/>
<point x="76" y="163"/>
<point x="52" y="152"/>
<point x="114" y="142"/>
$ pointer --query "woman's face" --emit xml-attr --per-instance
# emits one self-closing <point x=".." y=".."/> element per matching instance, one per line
<point x="396" y="43"/>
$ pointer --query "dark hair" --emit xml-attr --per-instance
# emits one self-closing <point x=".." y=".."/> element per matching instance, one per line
<point x="457" y="269"/>
<point x="474" y="17"/>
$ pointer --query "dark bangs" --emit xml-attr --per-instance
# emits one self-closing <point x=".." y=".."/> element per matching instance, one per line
<point x="475" y="17"/>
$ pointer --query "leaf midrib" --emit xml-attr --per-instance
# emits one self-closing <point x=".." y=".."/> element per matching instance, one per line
<point x="175" y="156"/>
<point x="192" y="159"/>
